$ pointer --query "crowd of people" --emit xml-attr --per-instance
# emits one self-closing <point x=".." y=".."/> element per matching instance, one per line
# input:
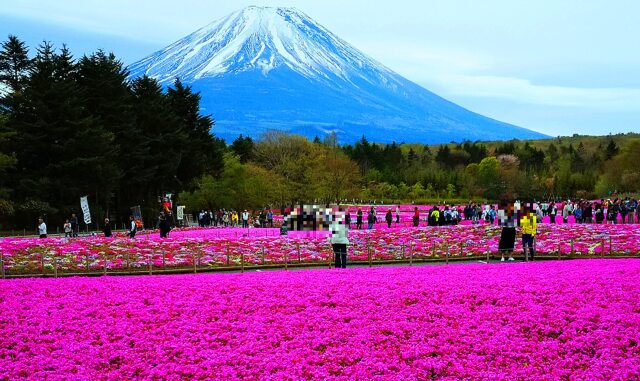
<point x="618" y="210"/>
<point x="232" y="218"/>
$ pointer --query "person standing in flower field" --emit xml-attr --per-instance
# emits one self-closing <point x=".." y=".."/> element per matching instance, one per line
<point x="107" y="228"/>
<point x="508" y="221"/>
<point x="132" y="227"/>
<point x="528" y="224"/>
<point x="435" y="216"/>
<point x="416" y="217"/>
<point x="163" y="225"/>
<point x="75" y="226"/>
<point x="338" y="239"/>
<point x="389" y="218"/>
<point x="245" y="219"/>
<point x="42" y="228"/>
<point x="270" y="218"/>
<point x="398" y="214"/>
<point x="67" y="229"/>
<point x="371" y="218"/>
<point x="359" y="219"/>
<point x="552" y="211"/>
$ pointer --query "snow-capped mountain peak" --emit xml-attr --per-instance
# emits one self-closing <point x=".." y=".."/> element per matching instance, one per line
<point x="259" y="38"/>
<point x="264" y="68"/>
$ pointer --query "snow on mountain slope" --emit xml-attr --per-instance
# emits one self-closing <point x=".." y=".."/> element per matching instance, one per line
<point x="262" y="68"/>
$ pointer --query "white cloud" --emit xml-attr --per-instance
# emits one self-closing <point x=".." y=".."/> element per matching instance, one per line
<point x="523" y="91"/>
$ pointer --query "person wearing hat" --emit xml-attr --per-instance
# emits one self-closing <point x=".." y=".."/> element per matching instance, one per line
<point x="245" y="219"/>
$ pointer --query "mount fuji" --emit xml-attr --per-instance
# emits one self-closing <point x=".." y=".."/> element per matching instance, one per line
<point x="265" y="68"/>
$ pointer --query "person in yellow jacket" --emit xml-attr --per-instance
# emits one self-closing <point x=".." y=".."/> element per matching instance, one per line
<point x="435" y="216"/>
<point x="529" y="228"/>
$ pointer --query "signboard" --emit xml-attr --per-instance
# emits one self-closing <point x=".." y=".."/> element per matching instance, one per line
<point x="84" y="204"/>
<point x="180" y="213"/>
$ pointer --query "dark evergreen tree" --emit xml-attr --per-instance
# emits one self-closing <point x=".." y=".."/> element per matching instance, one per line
<point x="102" y="80"/>
<point x="611" y="150"/>
<point x="158" y="129"/>
<point x="412" y="158"/>
<point x="14" y="64"/>
<point x="443" y="155"/>
<point x="243" y="147"/>
<point x="202" y="153"/>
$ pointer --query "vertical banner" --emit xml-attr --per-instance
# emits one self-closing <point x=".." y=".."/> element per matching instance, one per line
<point x="84" y="204"/>
<point x="180" y="213"/>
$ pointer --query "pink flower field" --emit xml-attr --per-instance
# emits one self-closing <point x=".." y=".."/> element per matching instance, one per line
<point x="560" y="320"/>
<point x="213" y="249"/>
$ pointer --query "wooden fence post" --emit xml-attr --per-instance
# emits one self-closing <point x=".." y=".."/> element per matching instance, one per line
<point x="242" y="262"/>
<point x="55" y="266"/>
<point x="369" y="255"/>
<point x="129" y="263"/>
<point x="104" y="265"/>
<point x="403" y="256"/>
<point x="299" y="257"/>
<point x="86" y="262"/>
<point x="446" y="254"/>
<point x="286" y="259"/>
<point x="228" y="255"/>
<point x="42" y="262"/>
<point x="151" y="264"/>
<point x="2" y="265"/>
<point x="572" y="247"/>
<point x="602" y="249"/>
<point x="610" y="245"/>
<point x="194" y="258"/>
<point x="433" y="251"/>
<point x="411" y="254"/>
<point x="263" y="254"/>
<point x="462" y="250"/>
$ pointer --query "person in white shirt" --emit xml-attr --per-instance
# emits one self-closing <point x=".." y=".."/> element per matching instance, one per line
<point x="338" y="239"/>
<point x="133" y="228"/>
<point x="245" y="219"/>
<point x="42" y="228"/>
<point x="67" y="229"/>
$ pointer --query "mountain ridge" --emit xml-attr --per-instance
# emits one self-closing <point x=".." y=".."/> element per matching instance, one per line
<point x="264" y="68"/>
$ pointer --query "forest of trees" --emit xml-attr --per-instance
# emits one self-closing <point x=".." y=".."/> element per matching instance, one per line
<point x="71" y="127"/>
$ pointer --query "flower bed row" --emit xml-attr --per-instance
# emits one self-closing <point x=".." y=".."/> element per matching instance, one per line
<point x="207" y="250"/>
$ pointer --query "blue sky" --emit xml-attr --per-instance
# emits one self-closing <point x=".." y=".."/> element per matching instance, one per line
<point x="558" y="67"/>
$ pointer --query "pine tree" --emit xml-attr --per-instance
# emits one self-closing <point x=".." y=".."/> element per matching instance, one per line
<point x="102" y="81"/>
<point x="243" y="147"/>
<point x="159" y="129"/>
<point x="611" y="150"/>
<point x="32" y="121"/>
<point x="203" y="152"/>
<point x="14" y="64"/>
